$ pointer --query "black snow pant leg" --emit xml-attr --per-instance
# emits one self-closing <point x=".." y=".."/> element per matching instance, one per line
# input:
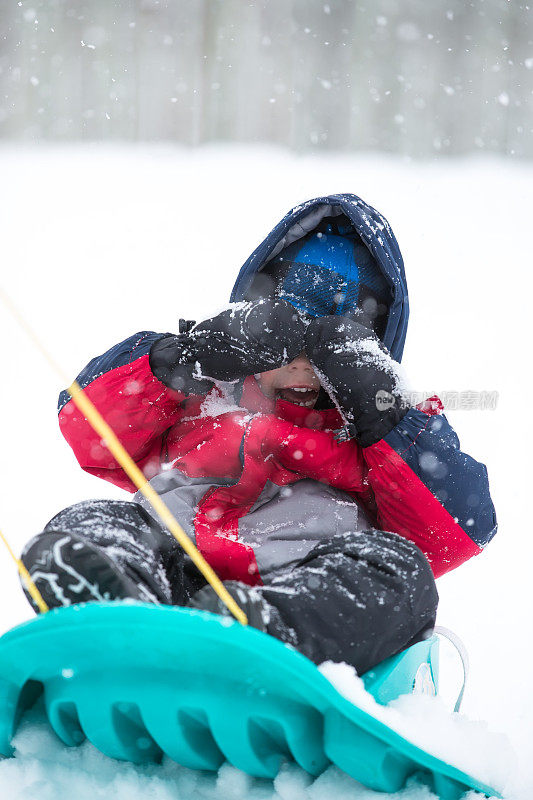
<point x="357" y="597"/>
<point x="108" y="550"/>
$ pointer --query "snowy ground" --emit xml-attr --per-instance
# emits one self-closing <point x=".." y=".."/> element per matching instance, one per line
<point x="99" y="243"/>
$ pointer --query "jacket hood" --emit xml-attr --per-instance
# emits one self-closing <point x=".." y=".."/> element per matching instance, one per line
<point x="356" y="217"/>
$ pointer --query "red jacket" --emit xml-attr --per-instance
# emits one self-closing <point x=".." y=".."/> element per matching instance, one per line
<point x="234" y="454"/>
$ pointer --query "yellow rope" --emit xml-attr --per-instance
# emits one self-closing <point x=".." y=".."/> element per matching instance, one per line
<point x="111" y="441"/>
<point x="26" y="577"/>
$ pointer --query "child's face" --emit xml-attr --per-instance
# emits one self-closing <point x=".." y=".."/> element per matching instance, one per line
<point x="295" y="382"/>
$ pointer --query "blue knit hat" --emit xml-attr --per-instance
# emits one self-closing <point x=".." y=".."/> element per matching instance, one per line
<point x="331" y="271"/>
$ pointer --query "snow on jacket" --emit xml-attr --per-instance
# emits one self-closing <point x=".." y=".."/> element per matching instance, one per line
<point x="258" y="483"/>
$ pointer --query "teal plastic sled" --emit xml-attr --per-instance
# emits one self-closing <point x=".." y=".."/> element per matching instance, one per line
<point x="140" y="681"/>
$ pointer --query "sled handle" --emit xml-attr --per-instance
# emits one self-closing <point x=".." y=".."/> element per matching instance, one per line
<point x="463" y="655"/>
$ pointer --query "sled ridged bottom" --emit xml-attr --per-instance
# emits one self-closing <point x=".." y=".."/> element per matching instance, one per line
<point x="140" y="681"/>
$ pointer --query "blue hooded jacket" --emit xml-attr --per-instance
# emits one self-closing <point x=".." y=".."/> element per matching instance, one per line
<point x="425" y="482"/>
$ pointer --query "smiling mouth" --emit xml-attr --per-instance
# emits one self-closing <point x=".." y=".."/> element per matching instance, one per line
<point x="300" y="395"/>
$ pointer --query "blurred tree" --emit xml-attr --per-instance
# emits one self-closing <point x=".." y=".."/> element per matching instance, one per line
<point x="402" y="76"/>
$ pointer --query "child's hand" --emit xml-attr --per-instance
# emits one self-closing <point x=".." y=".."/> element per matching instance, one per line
<point x="245" y="339"/>
<point x="359" y="372"/>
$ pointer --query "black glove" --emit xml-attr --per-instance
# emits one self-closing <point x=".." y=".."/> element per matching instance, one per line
<point x="358" y="373"/>
<point x="245" y="339"/>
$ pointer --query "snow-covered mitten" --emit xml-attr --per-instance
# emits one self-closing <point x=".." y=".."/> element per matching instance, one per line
<point x="359" y="374"/>
<point x="244" y="339"/>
